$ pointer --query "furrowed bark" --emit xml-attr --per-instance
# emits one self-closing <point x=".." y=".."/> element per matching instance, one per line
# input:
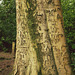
<point x="48" y="66"/>
<point x="26" y="61"/>
<point x="46" y="54"/>
<point x="56" y="33"/>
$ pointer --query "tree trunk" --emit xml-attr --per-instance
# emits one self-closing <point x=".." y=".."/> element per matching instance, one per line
<point x="41" y="46"/>
<point x="56" y="33"/>
<point x="26" y="61"/>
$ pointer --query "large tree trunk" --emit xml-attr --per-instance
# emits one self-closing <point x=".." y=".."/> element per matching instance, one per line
<point x="56" y="33"/>
<point x="26" y="61"/>
<point x="46" y="54"/>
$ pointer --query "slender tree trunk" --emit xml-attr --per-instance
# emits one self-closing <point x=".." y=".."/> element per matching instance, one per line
<point x="46" y="54"/>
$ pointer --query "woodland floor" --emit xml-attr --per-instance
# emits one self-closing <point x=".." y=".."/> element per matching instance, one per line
<point x="6" y="63"/>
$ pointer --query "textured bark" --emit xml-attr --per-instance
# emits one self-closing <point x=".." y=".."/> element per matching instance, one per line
<point x="53" y="56"/>
<point x="48" y="63"/>
<point x="56" y="33"/>
<point x="26" y="61"/>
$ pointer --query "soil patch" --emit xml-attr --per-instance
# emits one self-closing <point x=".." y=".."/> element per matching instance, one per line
<point x="6" y="63"/>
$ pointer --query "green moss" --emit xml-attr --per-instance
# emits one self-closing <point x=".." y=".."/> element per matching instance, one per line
<point x="38" y="51"/>
<point x="31" y="20"/>
<point x="40" y="73"/>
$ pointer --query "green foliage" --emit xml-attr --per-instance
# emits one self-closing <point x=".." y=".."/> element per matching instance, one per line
<point x="5" y="49"/>
<point x="7" y="21"/>
<point x="40" y="73"/>
<point x="69" y="17"/>
<point x="73" y="60"/>
<point x="68" y="7"/>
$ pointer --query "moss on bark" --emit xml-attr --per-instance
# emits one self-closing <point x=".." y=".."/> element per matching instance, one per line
<point x="31" y="21"/>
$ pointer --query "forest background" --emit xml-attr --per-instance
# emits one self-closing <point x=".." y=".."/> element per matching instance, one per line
<point x="8" y="25"/>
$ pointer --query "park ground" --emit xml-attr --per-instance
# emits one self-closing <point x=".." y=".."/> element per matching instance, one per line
<point x="6" y="63"/>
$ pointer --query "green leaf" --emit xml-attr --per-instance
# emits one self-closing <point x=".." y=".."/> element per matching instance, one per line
<point x="73" y="46"/>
